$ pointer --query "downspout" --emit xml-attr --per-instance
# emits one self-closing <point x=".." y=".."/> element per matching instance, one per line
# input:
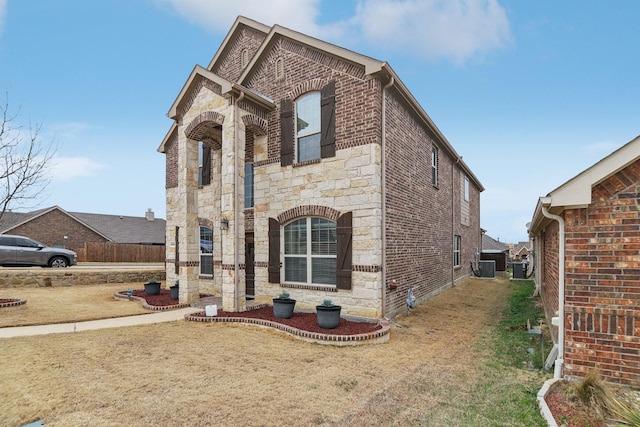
<point x="453" y="220"/>
<point x="236" y="210"/>
<point x="383" y="161"/>
<point x="557" y="371"/>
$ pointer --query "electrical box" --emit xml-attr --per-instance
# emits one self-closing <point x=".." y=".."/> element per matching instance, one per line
<point x="487" y="268"/>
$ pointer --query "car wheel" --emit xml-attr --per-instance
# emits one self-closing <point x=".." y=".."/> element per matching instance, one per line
<point x="58" y="262"/>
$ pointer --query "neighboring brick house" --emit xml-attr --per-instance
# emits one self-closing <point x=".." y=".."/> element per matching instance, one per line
<point x="592" y="297"/>
<point x="294" y="164"/>
<point x="521" y="251"/>
<point x="54" y="226"/>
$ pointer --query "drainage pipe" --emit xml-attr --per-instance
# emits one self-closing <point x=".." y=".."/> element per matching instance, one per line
<point x="236" y="210"/>
<point x="557" y="371"/>
<point x="383" y="190"/>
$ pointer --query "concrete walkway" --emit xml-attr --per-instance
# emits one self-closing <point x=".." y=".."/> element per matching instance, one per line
<point x="59" y="328"/>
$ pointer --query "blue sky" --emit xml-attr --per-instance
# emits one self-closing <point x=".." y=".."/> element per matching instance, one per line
<point x="530" y="93"/>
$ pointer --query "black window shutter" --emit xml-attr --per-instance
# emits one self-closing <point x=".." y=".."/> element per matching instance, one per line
<point x="274" y="251"/>
<point x="328" y="120"/>
<point x="343" y="261"/>
<point x="206" y="164"/>
<point x="286" y="132"/>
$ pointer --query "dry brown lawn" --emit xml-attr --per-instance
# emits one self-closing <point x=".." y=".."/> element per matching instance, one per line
<point x="216" y="374"/>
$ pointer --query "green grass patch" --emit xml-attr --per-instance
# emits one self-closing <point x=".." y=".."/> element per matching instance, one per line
<point x="512" y="376"/>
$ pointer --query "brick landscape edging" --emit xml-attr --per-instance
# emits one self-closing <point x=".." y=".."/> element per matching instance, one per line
<point x="376" y="337"/>
<point x="147" y="306"/>
<point x="12" y="302"/>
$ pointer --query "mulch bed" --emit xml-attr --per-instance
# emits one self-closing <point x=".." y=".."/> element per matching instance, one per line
<point x="567" y="410"/>
<point x="300" y="320"/>
<point x="303" y="321"/>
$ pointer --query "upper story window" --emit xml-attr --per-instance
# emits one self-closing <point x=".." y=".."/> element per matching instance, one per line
<point x="466" y="189"/>
<point x="206" y="251"/>
<point x="308" y="127"/>
<point x="248" y="185"/>
<point x="310" y="248"/>
<point x="434" y="166"/>
<point x="204" y="164"/>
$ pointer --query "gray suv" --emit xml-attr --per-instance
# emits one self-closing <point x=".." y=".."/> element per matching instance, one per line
<point x="22" y="251"/>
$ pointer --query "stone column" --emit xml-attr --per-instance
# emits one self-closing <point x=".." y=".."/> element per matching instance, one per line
<point x="187" y="219"/>
<point x="232" y="200"/>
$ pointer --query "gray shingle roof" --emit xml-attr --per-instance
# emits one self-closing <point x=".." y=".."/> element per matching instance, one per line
<point x="489" y="244"/>
<point x="117" y="228"/>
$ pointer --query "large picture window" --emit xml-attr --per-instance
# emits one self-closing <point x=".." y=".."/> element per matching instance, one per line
<point x="310" y="251"/>
<point x="308" y="127"/>
<point x="206" y="251"/>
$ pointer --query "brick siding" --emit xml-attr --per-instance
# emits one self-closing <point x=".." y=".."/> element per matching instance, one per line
<point x="602" y="301"/>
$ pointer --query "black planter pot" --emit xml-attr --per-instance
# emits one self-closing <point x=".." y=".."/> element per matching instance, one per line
<point x="328" y="316"/>
<point x="175" y="291"/>
<point x="152" y="288"/>
<point x="283" y="307"/>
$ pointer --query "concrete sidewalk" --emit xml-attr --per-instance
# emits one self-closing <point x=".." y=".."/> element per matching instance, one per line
<point x="60" y="328"/>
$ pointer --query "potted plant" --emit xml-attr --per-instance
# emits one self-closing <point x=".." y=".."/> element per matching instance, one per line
<point x="328" y="314"/>
<point x="283" y="306"/>
<point x="152" y="287"/>
<point x="175" y="290"/>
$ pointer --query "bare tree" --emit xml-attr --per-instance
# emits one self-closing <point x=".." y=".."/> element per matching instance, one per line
<point x="24" y="161"/>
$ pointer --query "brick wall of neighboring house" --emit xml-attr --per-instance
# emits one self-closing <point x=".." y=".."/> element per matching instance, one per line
<point x="51" y="227"/>
<point x="603" y="281"/>
<point x="549" y="272"/>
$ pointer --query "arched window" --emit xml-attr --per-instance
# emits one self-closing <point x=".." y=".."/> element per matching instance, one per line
<point x="206" y="251"/>
<point x="310" y="248"/>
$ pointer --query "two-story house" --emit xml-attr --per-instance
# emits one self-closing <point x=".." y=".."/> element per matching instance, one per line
<point x="295" y="164"/>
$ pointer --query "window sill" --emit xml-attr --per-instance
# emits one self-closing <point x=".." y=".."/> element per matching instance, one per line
<point x="306" y="162"/>
<point x="326" y="288"/>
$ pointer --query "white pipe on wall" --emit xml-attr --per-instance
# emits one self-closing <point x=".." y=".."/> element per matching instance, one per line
<point x="557" y="371"/>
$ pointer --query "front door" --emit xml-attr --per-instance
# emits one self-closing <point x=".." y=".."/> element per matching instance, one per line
<point x="250" y="275"/>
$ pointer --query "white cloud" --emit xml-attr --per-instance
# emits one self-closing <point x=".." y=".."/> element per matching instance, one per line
<point x="69" y="130"/>
<point x="453" y="29"/>
<point x="3" y="13"/>
<point x="220" y="14"/>
<point x="68" y="168"/>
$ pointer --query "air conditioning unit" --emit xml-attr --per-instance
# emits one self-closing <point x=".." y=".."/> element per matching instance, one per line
<point x="487" y="268"/>
<point x="519" y="270"/>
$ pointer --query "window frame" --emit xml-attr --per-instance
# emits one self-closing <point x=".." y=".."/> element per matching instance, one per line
<point x="249" y="174"/>
<point x="434" y="165"/>
<point x="457" y="250"/>
<point x="205" y="254"/>
<point x="305" y="133"/>
<point x="466" y="189"/>
<point x="309" y="256"/>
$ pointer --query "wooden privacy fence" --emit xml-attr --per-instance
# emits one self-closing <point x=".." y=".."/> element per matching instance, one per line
<point x="120" y="252"/>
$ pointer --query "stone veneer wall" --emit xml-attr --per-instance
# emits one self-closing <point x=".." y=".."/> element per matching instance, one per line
<point x="22" y="278"/>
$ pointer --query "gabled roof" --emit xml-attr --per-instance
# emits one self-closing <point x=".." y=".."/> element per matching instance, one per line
<point x="114" y="228"/>
<point x="489" y="244"/>
<point x="372" y="67"/>
<point x="522" y="246"/>
<point x="576" y="192"/>
<point x="240" y="22"/>
<point x="125" y="229"/>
